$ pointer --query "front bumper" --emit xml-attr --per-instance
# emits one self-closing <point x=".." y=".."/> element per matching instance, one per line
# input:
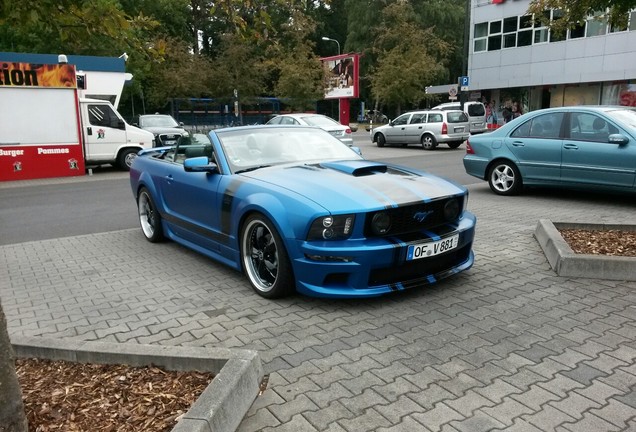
<point x="372" y="267"/>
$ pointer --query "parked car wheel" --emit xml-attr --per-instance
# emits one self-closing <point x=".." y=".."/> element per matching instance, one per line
<point x="380" y="140"/>
<point x="504" y="178"/>
<point x="428" y="142"/>
<point x="265" y="260"/>
<point x="454" y="145"/>
<point x="149" y="217"/>
<point x="126" y="158"/>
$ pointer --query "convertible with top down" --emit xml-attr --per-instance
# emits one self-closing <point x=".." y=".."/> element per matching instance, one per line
<point x="295" y="209"/>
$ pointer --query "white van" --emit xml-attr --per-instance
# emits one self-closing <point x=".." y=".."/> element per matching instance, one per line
<point x="108" y="139"/>
<point x="476" y="112"/>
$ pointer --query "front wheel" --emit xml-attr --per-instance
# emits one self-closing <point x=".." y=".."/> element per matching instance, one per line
<point x="264" y="258"/>
<point x="429" y="142"/>
<point x="149" y="217"/>
<point x="504" y="178"/>
<point x="126" y="158"/>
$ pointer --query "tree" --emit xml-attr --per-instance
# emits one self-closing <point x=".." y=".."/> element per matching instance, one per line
<point x="575" y="12"/>
<point x="12" y="416"/>
<point x="409" y="58"/>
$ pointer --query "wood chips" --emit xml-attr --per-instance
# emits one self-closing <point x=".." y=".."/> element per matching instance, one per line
<point x="598" y="242"/>
<point x="72" y="397"/>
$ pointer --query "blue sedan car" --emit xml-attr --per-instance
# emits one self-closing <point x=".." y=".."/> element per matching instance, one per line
<point x="577" y="147"/>
<point x="296" y="209"/>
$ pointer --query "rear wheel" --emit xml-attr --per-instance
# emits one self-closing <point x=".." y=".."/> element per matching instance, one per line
<point x="504" y="178"/>
<point x="428" y="142"/>
<point x="264" y="258"/>
<point x="126" y="158"/>
<point x="149" y="217"/>
<point x="380" y="140"/>
<point x="454" y="145"/>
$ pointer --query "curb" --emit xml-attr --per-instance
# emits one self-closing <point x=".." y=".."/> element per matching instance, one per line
<point x="570" y="264"/>
<point x="220" y="408"/>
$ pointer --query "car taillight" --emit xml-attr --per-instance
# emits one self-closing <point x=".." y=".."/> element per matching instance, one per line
<point x="347" y="131"/>
<point x="469" y="149"/>
<point x="444" y="129"/>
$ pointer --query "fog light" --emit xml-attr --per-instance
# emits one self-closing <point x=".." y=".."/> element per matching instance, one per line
<point x="381" y="223"/>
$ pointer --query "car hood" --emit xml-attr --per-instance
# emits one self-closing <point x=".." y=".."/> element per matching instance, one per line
<point x="165" y="130"/>
<point x="345" y="186"/>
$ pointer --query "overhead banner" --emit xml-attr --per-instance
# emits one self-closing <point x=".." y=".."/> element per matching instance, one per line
<point x="342" y="76"/>
<point x="37" y="75"/>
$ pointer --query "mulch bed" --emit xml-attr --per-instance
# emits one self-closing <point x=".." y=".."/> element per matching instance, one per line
<point x="600" y="242"/>
<point x="72" y="397"/>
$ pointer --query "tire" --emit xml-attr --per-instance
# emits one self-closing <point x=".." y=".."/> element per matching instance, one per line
<point x="149" y="217"/>
<point x="264" y="258"/>
<point x="125" y="159"/>
<point x="456" y="144"/>
<point x="380" y="140"/>
<point x="504" y="178"/>
<point x="428" y="142"/>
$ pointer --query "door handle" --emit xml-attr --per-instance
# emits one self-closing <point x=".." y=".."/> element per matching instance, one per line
<point x="89" y="131"/>
<point x="518" y="144"/>
<point x="570" y="146"/>
<point x="169" y="178"/>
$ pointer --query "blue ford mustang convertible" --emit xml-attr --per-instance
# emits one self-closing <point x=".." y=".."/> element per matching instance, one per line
<point x="296" y="209"/>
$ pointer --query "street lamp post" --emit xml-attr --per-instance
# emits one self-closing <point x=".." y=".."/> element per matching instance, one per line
<point x="325" y="38"/>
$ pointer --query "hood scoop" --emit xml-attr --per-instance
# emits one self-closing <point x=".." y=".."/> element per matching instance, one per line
<point x="356" y="168"/>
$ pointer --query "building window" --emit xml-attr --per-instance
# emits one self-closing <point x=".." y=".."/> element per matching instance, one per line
<point x="632" y="21"/>
<point x="494" y="43"/>
<point x="597" y="25"/>
<point x="481" y="34"/>
<point x="495" y="27"/>
<point x="578" y="31"/>
<point x="557" y="14"/>
<point x="540" y="35"/>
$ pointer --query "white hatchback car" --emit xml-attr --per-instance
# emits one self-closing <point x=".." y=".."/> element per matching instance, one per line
<point x="343" y="133"/>
<point x="427" y="128"/>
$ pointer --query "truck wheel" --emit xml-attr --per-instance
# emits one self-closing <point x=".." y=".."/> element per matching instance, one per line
<point x="125" y="159"/>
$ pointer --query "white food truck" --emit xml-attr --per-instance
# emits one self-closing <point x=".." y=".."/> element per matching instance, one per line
<point x="46" y="130"/>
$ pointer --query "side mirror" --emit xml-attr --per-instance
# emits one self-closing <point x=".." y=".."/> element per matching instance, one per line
<point x="181" y="124"/>
<point x="618" y="139"/>
<point x="135" y="124"/>
<point x="199" y="164"/>
<point x="391" y="123"/>
<point x="121" y="125"/>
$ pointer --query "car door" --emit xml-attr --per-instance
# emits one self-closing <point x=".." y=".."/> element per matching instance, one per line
<point x="414" y="128"/>
<point x="537" y="143"/>
<point x="394" y="134"/>
<point x="190" y="200"/>
<point x="104" y="131"/>
<point x="589" y="157"/>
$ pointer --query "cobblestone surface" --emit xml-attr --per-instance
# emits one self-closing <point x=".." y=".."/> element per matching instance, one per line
<point x="507" y="345"/>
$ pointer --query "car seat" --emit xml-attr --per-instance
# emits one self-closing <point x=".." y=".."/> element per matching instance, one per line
<point x="600" y="130"/>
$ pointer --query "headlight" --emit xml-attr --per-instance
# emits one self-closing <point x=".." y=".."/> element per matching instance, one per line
<point x="381" y="223"/>
<point x="331" y="228"/>
<point x="452" y="209"/>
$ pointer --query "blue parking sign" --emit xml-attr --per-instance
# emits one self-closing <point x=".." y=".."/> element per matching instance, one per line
<point x="464" y="81"/>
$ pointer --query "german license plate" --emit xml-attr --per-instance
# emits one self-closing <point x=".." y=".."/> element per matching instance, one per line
<point x="459" y="129"/>
<point x="426" y="250"/>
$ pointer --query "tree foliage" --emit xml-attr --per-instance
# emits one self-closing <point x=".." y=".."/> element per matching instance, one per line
<point x="408" y="58"/>
<point x="575" y="12"/>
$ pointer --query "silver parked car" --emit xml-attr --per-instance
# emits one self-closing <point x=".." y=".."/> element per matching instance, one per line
<point x="427" y="128"/>
<point x="476" y="112"/>
<point x="343" y="133"/>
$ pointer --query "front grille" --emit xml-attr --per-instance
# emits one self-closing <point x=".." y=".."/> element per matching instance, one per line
<point x="416" y="272"/>
<point x="169" y="139"/>
<point x="412" y="218"/>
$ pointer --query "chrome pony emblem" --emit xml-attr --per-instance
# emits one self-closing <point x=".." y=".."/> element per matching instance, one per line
<point x="420" y="216"/>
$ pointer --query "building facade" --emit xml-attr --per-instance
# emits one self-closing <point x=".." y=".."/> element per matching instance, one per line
<point x="511" y="58"/>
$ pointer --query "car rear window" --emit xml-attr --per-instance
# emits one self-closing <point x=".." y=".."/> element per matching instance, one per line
<point x="457" y="117"/>
<point x="475" y="110"/>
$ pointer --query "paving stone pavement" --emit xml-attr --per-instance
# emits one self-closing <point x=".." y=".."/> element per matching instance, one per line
<point x="505" y="346"/>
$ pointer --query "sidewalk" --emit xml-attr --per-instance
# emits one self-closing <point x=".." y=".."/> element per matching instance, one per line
<point x="507" y="345"/>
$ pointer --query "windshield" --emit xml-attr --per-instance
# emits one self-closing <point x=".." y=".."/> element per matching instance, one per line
<point x="320" y="121"/>
<point x="270" y="145"/>
<point x="158" y="121"/>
